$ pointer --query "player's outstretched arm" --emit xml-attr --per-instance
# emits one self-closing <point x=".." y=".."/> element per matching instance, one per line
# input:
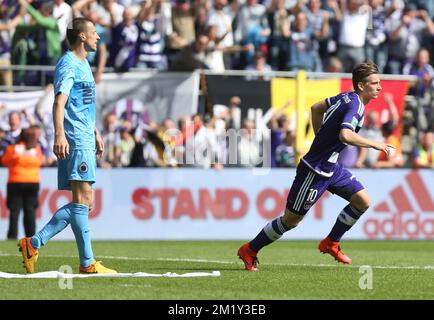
<point x="350" y="137"/>
<point x="61" y="146"/>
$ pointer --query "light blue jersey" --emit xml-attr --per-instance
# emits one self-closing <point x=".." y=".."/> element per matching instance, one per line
<point x="74" y="78"/>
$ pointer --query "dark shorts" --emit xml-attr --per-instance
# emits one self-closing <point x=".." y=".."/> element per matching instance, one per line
<point x="308" y="187"/>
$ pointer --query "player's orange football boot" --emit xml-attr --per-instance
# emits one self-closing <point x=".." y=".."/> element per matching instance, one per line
<point x="30" y="254"/>
<point x="332" y="247"/>
<point x="249" y="257"/>
<point x="96" y="267"/>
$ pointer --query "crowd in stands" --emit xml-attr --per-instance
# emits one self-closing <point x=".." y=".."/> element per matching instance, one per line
<point x="184" y="35"/>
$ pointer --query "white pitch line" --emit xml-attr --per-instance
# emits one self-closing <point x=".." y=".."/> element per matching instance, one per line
<point x="320" y="265"/>
<point x="136" y="285"/>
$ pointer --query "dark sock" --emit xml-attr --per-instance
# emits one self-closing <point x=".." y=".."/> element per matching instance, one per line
<point x="346" y="219"/>
<point x="270" y="233"/>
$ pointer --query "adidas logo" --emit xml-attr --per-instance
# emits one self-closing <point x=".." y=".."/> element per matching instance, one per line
<point x="407" y="214"/>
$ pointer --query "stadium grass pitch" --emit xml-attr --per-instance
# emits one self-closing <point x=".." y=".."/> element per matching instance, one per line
<point x="288" y="270"/>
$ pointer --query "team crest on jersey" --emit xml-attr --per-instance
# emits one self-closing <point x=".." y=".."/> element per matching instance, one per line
<point x="83" y="167"/>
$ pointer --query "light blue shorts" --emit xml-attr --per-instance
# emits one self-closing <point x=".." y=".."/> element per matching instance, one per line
<point x="80" y="165"/>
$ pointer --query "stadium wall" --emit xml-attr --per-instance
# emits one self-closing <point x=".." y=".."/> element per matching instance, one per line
<point x="186" y="204"/>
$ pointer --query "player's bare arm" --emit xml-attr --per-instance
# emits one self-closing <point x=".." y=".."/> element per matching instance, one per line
<point x="99" y="144"/>
<point x="61" y="146"/>
<point x="318" y="110"/>
<point x="350" y="137"/>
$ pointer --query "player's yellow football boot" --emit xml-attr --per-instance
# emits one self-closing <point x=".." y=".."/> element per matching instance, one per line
<point x="249" y="257"/>
<point x="96" y="267"/>
<point x="30" y="254"/>
<point x="332" y="247"/>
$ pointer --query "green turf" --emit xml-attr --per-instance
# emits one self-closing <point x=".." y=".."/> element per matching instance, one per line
<point x="288" y="270"/>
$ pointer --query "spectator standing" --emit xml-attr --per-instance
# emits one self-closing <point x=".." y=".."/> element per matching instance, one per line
<point x="150" y="50"/>
<point x="423" y="153"/>
<point x="279" y="126"/>
<point x="280" y="28"/>
<point x="221" y="16"/>
<point x="252" y="28"/>
<point x="123" y="49"/>
<point x="109" y="11"/>
<point x="109" y="134"/>
<point x="285" y="153"/>
<point x="215" y="57"/>
<point x="319" y="20"/>
<point x="133" y="5"/>
<point x="335" y="17"/>
<point x="183" y="27"/>
<point x="302" y="48"/>
<point x="376" y="45"/>
<point x="395" y="159"/>
<point x="63" y="13"/>
<point x="259" y="64"/>
<point x="125" y="145"/>
<point x="23" y="160"/>
<point x="249" y="148"/>
<point x="354" y="24"/>
<point x="193" y="56"/>
<point x="166" y="133"/>
<point x="406" y="32"/>
<point x="7" y="26"/>
<point x="15" y="127"/>
<point x="333" y="64"/>
<point x="46" y="48"/>
<point x="421" y="68"/>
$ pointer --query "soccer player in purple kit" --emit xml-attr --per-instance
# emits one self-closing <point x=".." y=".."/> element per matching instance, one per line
<point x="336" y="121"/>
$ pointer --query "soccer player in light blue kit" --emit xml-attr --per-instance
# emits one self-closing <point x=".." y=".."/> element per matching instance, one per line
<point x="336" y="121"/>
<point x="77" y="145"/>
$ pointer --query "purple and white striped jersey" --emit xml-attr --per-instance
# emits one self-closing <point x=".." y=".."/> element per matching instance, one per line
<point x="345" y="110"/>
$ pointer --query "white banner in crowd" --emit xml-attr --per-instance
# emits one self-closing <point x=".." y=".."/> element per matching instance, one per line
<point x="18" y="101"/>
<point x="156" y="96"/>
<point x="234" y="204"/>
<point x="145" y="95"/>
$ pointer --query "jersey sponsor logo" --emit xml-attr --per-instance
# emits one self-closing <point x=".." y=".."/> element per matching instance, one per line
<point x="408" y="219"/>
<point x="88" y="93"/>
